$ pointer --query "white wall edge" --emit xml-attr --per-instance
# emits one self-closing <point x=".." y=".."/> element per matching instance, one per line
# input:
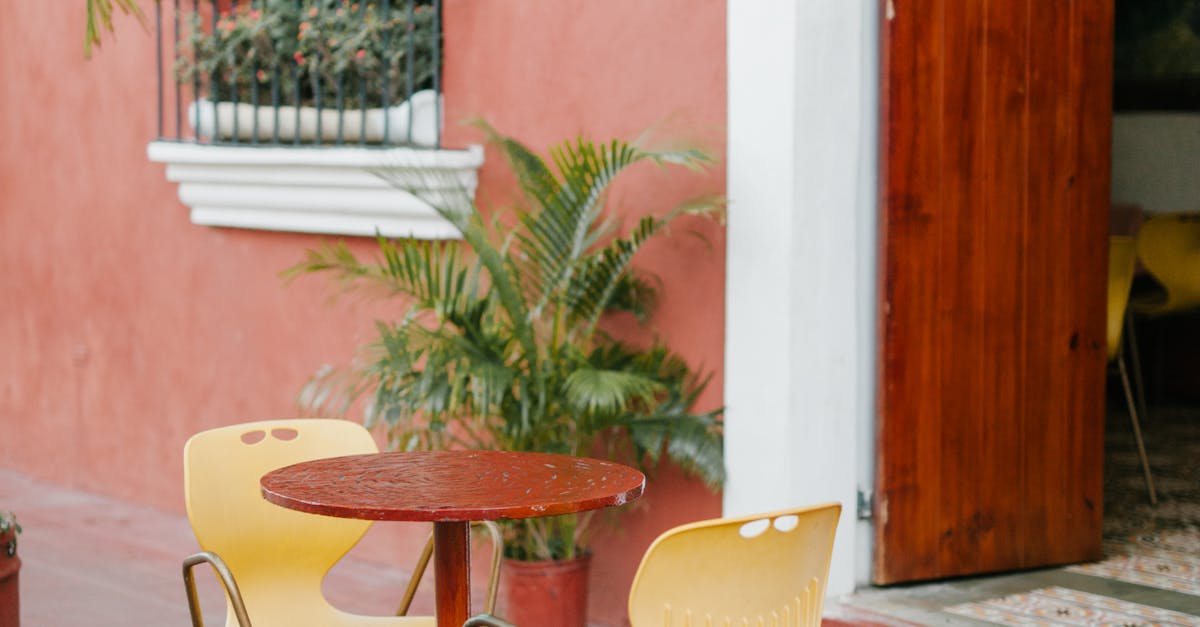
<point x="312" y="190"/>
<point x="799" y="361"/>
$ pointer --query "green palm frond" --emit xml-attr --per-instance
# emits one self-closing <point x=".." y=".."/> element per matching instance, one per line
<point x="634" y="294"/>
<point x="434" y="274"/>
<point x="445" y="193"/>
<point x="332" y="391"/>
<point x="692" y="441"/>
<point x="593" y="391"/>
<point x="600" y="276"/>
<point x="99" y="17"/>
<point x="692" y="445"/>
<point x="532" y="173"/>
<point x="563" y="227"/>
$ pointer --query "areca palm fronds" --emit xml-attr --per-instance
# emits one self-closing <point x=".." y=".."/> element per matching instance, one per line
<point x="501" y="345"/>
<point x="99" y="17"/>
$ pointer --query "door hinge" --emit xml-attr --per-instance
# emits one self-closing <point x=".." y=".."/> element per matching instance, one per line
<point x="866" y="504"/>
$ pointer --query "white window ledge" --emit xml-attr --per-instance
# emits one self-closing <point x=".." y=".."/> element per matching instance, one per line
<point x="310" y="190"/>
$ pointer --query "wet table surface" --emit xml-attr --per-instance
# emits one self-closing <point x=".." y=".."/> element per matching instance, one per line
<point x="450" y="489"/>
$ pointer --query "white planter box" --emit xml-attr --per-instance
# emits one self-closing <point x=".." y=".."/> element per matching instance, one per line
<point x="356" y="124"/>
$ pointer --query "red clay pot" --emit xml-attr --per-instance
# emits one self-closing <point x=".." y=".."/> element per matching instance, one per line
<point x="545" y="594"/>
<point x="10" y="566"/>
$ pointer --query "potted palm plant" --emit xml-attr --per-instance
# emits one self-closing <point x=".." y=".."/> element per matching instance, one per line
<point x="503" y="344"/>
<point x="10" y="567"/>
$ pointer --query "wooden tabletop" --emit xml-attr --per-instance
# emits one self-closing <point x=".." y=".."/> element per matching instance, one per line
<point x="444" y="486"/>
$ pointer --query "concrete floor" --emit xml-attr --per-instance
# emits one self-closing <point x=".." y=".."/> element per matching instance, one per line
<point x="95" y="561"/>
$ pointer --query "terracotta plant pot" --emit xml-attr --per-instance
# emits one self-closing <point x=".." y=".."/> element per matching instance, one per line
<point x="10" y="566"/>
<point x="545" y="594"/>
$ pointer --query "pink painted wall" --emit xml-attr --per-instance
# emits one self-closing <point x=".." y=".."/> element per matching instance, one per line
<point x="124" y="328"/>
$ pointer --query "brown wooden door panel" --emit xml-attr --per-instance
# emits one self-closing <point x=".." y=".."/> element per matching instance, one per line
<point x="994" y="208"/>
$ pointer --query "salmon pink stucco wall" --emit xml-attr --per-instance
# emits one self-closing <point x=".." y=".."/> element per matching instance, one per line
<point x="124" y="328"/>
<point x="545" y="71"/>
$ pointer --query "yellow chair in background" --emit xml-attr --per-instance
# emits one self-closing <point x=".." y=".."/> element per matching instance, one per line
<point x="272" y="560"/>
<point x="1168" y="246"/>
<point x="762" y="569"/>
<point x="1121" y="261"/>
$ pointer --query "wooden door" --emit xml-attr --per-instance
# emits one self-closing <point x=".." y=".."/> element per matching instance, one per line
<point x="995" y="134"/>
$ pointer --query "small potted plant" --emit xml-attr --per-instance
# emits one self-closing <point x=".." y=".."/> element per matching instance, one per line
<point x="337" y="68"/>
<point x="10" y="567"/>
<point x="503" y="344"/>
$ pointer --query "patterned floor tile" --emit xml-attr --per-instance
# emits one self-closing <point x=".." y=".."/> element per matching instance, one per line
<point x="1169" y="560"/>
<point x="1062" y="606"/>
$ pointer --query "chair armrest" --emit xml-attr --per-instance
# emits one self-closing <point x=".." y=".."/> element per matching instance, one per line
<point x="487" y="620"/>
<point x="227" y="580"/>
<point x="489" y="601"/>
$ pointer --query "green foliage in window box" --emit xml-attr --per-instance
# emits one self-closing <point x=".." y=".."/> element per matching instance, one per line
<point x="366" y="48"/>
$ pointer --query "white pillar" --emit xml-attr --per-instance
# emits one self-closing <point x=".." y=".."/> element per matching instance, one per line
<point x="800" y="299"/>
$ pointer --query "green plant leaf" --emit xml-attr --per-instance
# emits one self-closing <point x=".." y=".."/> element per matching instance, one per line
<point x="593" y="391"/>
<point x="99" y="17"/>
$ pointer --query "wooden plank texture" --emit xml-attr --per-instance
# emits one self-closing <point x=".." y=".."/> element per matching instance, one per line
<point x="994" y="206"/>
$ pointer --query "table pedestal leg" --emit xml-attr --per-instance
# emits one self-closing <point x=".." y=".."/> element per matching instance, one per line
<point x="452" y="572"/>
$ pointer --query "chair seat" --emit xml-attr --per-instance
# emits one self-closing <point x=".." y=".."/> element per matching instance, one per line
<point x="763" y="569"/>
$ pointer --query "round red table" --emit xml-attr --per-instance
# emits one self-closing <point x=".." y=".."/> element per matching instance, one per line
<point x="450" y="489"/>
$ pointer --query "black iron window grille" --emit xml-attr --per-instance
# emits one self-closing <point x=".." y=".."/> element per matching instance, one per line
<point x="302" y="73"/>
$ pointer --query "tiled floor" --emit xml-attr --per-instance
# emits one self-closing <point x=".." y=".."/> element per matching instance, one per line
<point x="927" y="604"/>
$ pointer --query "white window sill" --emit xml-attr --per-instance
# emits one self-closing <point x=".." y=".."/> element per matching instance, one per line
<point x="310" y="190"/>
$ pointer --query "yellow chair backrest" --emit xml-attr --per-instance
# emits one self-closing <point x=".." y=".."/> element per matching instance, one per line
<point x="1168" y="246"/>
<point x="738" y="571"/>
<point x="1121" y="260"/>
<point x="278" y="556"/>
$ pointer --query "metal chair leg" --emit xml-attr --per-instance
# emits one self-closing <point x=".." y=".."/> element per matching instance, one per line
<point x="1138" y="385"/>
<point x="1137" y="429"/>
<point x="489" y="601"/>
<point x="227" y="580"/>
<point x="487" y="620"/>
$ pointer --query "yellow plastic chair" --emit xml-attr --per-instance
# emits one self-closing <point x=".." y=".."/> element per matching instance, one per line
<point x="765" y="569"/>
<point x="1121" y="261"/>
<point x="1168" y="245"/>
<point x="271" y="560"/>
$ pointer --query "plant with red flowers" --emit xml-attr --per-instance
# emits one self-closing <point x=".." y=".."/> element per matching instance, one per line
<point x="328" y="53"/>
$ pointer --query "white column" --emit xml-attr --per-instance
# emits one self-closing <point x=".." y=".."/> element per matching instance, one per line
<point x="799" y="379"/>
